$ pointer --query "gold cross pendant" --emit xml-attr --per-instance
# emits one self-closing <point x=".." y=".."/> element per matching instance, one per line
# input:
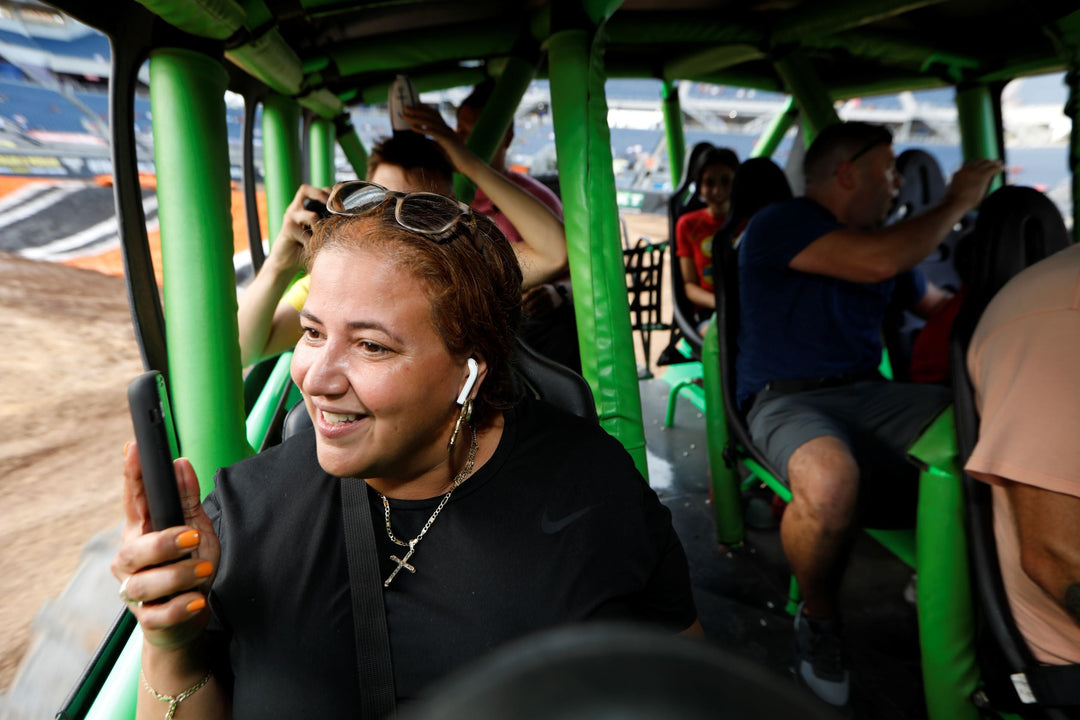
<point x="402" y="563"/>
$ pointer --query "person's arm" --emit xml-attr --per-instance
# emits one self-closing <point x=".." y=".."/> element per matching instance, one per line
<point x="166" y="592"/>
<point x="874" y="256"/>
<point x="934" y="299"/>
<point x="267" y="325"/>
<point x="1049" y="545"/>
<point x="542" y="255"/>
<point x="696" y="294"/>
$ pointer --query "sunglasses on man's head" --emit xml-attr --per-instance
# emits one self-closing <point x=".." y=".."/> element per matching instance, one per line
<point x="426" y="213"/>
<point x="882" y="139"/>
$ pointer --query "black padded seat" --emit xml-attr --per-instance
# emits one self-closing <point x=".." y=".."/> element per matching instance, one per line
<point x="758" y="182"/>
<point x="605" y="670"/>
<point x="1016" y="227"/>
<point x="924" y="186"/>
<point x="684" y="199"/>
<point x="542" y="378"/>
<point x="924" y="183"/>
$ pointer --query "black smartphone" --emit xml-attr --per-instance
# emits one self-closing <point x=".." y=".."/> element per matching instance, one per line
<point x="316" y="207"/>
<point x="148" y="400"/>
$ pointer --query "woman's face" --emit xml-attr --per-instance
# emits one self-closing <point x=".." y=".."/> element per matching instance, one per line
<point x="377" y="379"/>
<point x="715" y="187"/>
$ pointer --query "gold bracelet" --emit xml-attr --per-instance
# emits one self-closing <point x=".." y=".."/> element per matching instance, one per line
<point x="174" y="702"/>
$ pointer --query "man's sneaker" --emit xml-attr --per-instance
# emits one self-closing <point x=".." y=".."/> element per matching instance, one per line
<point x="819" y="659"/>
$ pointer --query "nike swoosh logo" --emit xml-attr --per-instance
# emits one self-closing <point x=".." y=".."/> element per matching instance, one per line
<point x="550" y="527"/>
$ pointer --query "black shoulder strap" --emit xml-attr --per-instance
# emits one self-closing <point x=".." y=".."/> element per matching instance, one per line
<point x="369" y="613"/>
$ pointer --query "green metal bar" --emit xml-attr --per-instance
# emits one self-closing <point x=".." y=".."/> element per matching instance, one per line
<point x="424" y="82"/>
<point x="978" y="128"/>
<point x="794" y="596"/>
<point x="496" y="118"/>
<point x="727" y="500"/>
<point x="891" y="48"/>
<point x="833" y="17"/>
<point x="353" y="148"/>
<point x="601" y="305"/>
<point x="272" y="61"/>
<point x="691" y="28"/>
<point x="673" y="128"/>
<point x="774" y="134"/>
<point x="815" y="104"/>
<point x="945" y="607"/>
<point x="711" y="60"/>
<point x="600" y="10"/>
<point x="398" y="52"/>
<point x="217" y="19"/>
<point x="281" y="157"/>
<point x="774" y="483"/>
<point x="321" y="152"/>
<point x="262" y="412"/>
<point x="323" y="103"/>
<point x="120" y="693"/>
<point x="100" y="674"/>
<point x="187" y="91"/>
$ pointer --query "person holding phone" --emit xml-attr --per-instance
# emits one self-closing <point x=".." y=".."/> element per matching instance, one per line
<point x="413" y="309"/>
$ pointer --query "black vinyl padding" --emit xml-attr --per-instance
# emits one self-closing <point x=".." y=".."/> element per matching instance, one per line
<point x="683" y="200"/>
<point x="607" y="670"/>
<point x="1016" y="227"/>
<point x="758" y="182"/>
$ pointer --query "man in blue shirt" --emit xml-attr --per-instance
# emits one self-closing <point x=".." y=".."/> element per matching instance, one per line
<point x="817" y="274"/>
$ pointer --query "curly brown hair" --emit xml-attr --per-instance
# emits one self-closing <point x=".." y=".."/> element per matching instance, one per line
<point x="472" y="279"/>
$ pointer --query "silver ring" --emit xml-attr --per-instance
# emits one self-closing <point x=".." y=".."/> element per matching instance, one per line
<point x="127" y="598"/>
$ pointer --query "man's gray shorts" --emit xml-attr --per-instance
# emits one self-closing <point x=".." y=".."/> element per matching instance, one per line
<point x="878" y="419"/>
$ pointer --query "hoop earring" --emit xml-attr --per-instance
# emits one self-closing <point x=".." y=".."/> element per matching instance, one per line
<point x="466" y="416"/>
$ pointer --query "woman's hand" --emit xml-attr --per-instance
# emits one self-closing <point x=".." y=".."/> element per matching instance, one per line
<point x="542" y="254"/>
<point x="427" y="121"/>
<point x="165" y="575"/>
<point x="296" y="224"/>
<point x="262" y="332"/>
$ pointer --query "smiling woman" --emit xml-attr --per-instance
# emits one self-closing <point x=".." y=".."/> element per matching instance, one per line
<point x="405" y="371"/>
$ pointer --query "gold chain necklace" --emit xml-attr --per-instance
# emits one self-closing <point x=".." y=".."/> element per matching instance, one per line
<point x="403" y="563"/>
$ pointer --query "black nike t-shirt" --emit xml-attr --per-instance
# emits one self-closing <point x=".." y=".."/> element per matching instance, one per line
<point x="557" y="527"/>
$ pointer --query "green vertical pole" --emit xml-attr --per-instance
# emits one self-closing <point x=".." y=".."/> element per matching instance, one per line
<point x="352" y="146"/>
<point x="497" y="117"/>
<point x="587" y="181"/>
<point x="945" y="607"/>
<point x="187" y="91"/>
<point x="978" y="128"/>
<point x="815" y="104"/>
<point x="770" y="139"/>
<point x="321" y="149"/>
<point x="673" y="128"/>
<point x="727" y="500"/>
<point x="281" y="157"/>
<point x="975" y="115"/>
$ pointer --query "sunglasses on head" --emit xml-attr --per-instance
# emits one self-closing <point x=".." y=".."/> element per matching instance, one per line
<point x="429" y="214"/>
<point x="881" y="139"/>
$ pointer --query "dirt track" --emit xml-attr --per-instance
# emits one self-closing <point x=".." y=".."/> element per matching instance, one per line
<point x="63" y="373"/>
<point x="69" y="355"/>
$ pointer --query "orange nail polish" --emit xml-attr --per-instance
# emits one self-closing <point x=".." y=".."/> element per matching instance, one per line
<point x="204" y="569"/>
<point x="188" y="539"/>
<point x="127" y="448"/>
<point x="196" y="605"/>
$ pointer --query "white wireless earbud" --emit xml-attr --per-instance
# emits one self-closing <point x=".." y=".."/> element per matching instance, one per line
<point x="474" y="370"/>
